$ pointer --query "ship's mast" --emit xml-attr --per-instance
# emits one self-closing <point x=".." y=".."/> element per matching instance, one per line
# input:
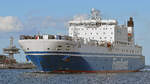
<point x="95" y="14"/>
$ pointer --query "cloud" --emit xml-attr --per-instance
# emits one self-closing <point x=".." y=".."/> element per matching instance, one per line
<point x="10" y="23"/>
<point x="33" y="24"/>
<point x="80" y="17"/>
<point x="44" y="22"/>
<point x="49" y="22"/>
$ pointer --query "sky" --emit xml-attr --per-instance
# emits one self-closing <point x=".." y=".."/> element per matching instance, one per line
<point x="29" y="17"/>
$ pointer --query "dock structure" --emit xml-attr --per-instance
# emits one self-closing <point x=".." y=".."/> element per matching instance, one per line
<point x="9" y="62"/>
<point x="11" y="50"/>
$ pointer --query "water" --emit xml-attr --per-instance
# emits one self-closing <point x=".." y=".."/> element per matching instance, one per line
<point x="21" y="76"/>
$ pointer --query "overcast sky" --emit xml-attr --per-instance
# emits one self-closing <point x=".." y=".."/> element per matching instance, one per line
<point x="29" y="17"/>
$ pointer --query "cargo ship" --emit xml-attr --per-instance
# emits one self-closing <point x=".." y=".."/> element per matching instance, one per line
<point x="93" y="45"/>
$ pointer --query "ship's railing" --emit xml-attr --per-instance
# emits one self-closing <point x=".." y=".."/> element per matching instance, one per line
<point x="36" y="37"/>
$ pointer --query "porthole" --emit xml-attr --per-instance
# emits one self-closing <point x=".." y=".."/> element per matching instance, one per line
<point x="67" y="46"/>
<point x="58" y="49"/>
<point x="59" y="46"/>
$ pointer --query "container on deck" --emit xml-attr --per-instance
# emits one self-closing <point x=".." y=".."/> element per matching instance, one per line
<point x="67" y="38"/>
<point x="57" y="37"/>
<point x="40" y="37"/>
<point x="51" y="37"/>
<point x="45" y="36"/>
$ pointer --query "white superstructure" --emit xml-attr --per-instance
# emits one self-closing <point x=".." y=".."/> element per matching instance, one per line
<point x="98" y="29"/>
<point x="95" y="29"/>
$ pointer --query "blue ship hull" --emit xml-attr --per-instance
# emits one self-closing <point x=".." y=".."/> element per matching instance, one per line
<point x="83" y="63"/>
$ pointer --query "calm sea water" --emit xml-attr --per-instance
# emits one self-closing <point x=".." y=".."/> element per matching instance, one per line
<point x="21" y="76"/>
